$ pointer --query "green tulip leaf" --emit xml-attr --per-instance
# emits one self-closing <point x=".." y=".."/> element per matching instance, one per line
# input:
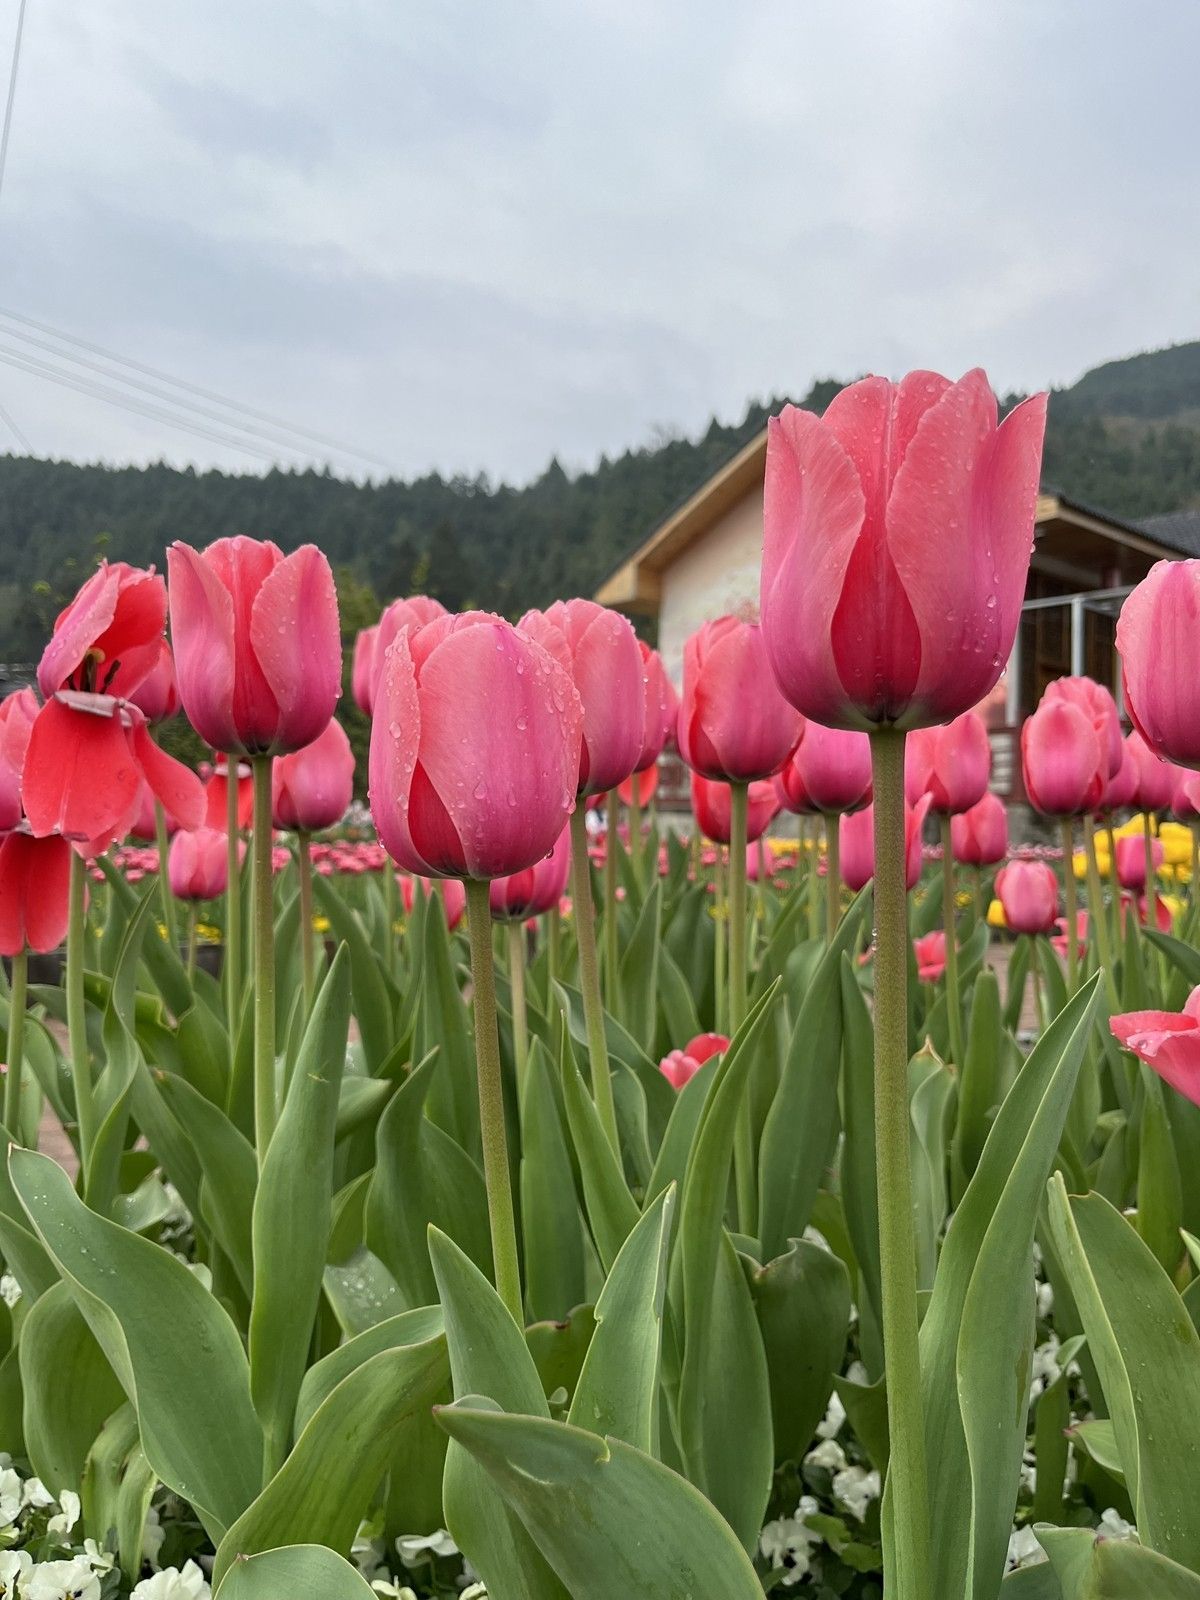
<point x="69" y="1388"/>
<point x="550" y="1219"/>
<point x="299" y="1571"/>
<point x="1088" y="1568"/>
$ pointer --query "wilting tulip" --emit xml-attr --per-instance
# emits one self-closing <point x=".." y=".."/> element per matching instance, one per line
<point x="1168" y="1041"/>
<point x="1065" y="766"/>
<point x="599" y="649"/>
<point x="898" y="531"/>
<point x="362" y="675"/>
<point x="660" y="708"/>
<point x="197" y="864"/>
<point x="1155" y="777"/>
<point x="950" y="764"/>
<point x="453" y="896"/>
<point x="18" y="712"/>
<point x="312" y="788"/>
<point x="535" y="890"/>
<point x="712" y="809"/>
<point x="108" y="638"/>
<point x="412" y="612"/>
<point x="1131" y="860"/>
<point x="258" y="651"/>
<point x="1156" y="634"/>
<point x="930" y="953"/>
<point x="34" y="893"/>
<point x="681" y="1066"/>
<point x="733" y="722"/>
<point x="1028" y="891"/>
<point x="1099" y="707"/>
<point x="856" y="840"/>
<point x="830" y="770"/>
<point x="474" y="749"/>
<point x="216" y="797"/>
<point x="979" y="837"/>
<point x="157" y="695"/>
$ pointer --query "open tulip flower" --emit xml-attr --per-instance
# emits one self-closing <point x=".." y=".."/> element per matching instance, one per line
<point x="110" y="637"/>
<point x="18" y="712"/>
<point x="1168" y="1041"/>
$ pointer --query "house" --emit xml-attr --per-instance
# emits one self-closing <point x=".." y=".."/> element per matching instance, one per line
<point x="704" y="559"/>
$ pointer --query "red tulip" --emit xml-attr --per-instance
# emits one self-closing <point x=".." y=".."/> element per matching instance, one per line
<point x="1065" y="765"/>
<point x="1156" y="635"/>
<point x="712" y="809"/>
<point x="1060" y="941"/>
<point x="454" y="896"/>
<point x="1140" y="907"/>
<point x="18" y="712"/>
<point x="681" y="1066"/>
<point x="258" y="650"/>
<point x="535" y="890"/>
<point x="951" y="764"/>
<point x="1099" y="707"/>
<point x="1028" y="891"/>
<point x="830" y="770"/>
<point x="645" y="783"/>
<point x="930" y="952"/>
<point x="474" y="749"/>
<point x="312" y="788"/>
<point x="898" y="531"/>
<point x="108" y="638"/>
<point x="734" y="724"/>
<point x="216" y="797"/>
<point x="198" y="865"/>
<point x="362" y="675"/>
<point x="1131" y="860"/>
<point x="599" y="649"/>
<point x="1155" y="777"/>
<point x="660" y="708"/>
<point x="1168" y="1041"/>
<point x="157" y="696"/>
<point x="413" y="612"/>
<point x="856" y="841"/>
<point x="979" y="837"/>
<point x="35" y="876"/>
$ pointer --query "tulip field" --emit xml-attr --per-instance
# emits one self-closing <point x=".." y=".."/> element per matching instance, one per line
<point x="515" y="1190"/>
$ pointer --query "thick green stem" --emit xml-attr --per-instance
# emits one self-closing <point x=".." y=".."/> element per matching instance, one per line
<point x="233" y="904"/>
<point x="553" y="937"/>
<point x="612" y="943"/>
<point x="1114" y="903"/>
<point x="164" y="880"/>
<point x="1098" y="917"/>
<point x="191" y="939"/>
<point x="491" y="1102"/>
<point x="810" y="832"/>
<point x="907" y="1559"/>
<point x="1071" y="903"/>
<point x="265" y="1109"/>
<point x="15" y="1049"/>
<point x="589" y="976"/>
<point x="1151" y="895"/>
<point x="950" y="924"/>
<point x="308" y="955"/>
<point x="516" y="980"/>
<point x="81" y="1064"/>
<point x="636" y="842"/>
<point x="745" y="1177"/>
<point x="720" y="913"/>
<point x="833" y="877"/>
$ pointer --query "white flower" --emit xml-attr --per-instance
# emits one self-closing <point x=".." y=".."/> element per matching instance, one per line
<point x="171" y="1584"/>
<point x="1024" y="1550"/>
<point x="153" y="1535"/>
<point x="14" y="1564"/>
<point x="1046" y="1369"/>
<point x="413" y="1546"/>
<point x="35" y="1493"/>
<point x="788" y="1543"/>
<point x="857" y="1373"/>
<point x="100" y="1561"/>
<point x="1045" y="1300"/>
<point x="1113" y="1526"/>
<point x="393" y="1591"/>
<point x="61" y="1580"/>
<point x="855" y="1487"/>
<point x="829" y="1454"/>
<point x="10" y="1289"/>
<point x="1029" y="1472"/>
<point x="68" y="1515"/>
<point x="834" y="1417"/>
<point x="10" y="1496"/>
<point x="475" y="1592"/>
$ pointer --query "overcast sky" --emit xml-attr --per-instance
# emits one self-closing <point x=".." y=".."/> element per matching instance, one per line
<point x="471" y="234"/>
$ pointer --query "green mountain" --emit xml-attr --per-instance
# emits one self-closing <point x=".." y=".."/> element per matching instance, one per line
<point x="1126" y="437"/>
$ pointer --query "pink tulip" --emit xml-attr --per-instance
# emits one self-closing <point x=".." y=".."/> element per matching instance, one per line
<point x="1121" y="790"/>
<point x="1156" y="635"/>
<point x="145" y="822"/>
<point x="1028" y="891"/>
<point x="856" y="842"/>
<point x="197" y="864"/>
<point x="930" y="953"/>
<point x="312" y="788"/>
<point x="1185" y="797"/>
<point x="1131" y="860"/>
<point x="660" y="708"/>
<point x="1099" y="707"/>
<point x="535" y="890"/>
<point x="413" y="612"/>
<point x="157" y="695"/>
<point x="681" y="1066"/>
<point x="829" y="771"/>
<point x="1065" y="766"/>
<point x="951" y="764"/>
<point x="474" y="749"/>
<point x="216" y="796"/>
<point x="734" y="725"/>
<point x="258" y="651"/>
<point x="35" y="876"/>
<point x="1168" y="1041"/>
<point x="599" y="650"/>
<point x="1060" y="941"/>
<point x="18" y="712"/>
<point x="1140" y="906"/>
<point x="1155" y="777"/>
<point x="362" y="675"/>
<point x="454" y="896"/>
<point x="898" y="531"/>
<point x="108" y="638"/>
<point x="712" y="809"/>
<point x="979" y="837"/>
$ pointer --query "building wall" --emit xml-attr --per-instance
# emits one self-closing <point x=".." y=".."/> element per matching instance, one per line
<point x="719" y="573"/>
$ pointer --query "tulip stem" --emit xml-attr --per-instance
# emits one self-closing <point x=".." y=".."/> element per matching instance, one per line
<point x="191" y="940"/>
<point x="833" y="878"/>
<point x="491" y="1101"/>
<point x="264" y="962"/>
<point x="15" y="1048"/>
<point x="1070" y="902"/>
<point x="760" y="909"/>
<point x="612" y="943"/>
<point x="1099" y="915"/>
<point x="906" y="1538"/>
<point x="308" y="964"/>
<point x="810" y="832"/>
<point x="745" y="1178"/>
<point x="720" y="923"/>
<point x="1115" y="901"/>
<point x="389" y="913"/>
<point x="589" y="976"/>
<point x="81" y="1065"/>
<point x="1150" y="894"/>
<point x="950" y="924"/>
<point x="635" y="830"/>
<point x="516" y="979"/>
<point x="164" y="881"/>
<point x="553" y="937"/>
<point x="233" y="904"/>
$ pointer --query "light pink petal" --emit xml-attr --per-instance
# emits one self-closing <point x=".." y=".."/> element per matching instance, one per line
<point x="202" y="634"/>
<point x="296" y="638"/>
<point x="1157" y="629"/>
<point x="395" y="736"/>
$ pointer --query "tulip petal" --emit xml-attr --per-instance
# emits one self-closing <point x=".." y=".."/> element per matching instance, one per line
<point x="81" y="778"/>
<point x="176" y="786"/>
<point x="395" y="739"/>
<point x="296" y="637"/>
<point x="1157" y="630"/>
<point x="77" y="627"/>
<point x="202" y="632"/>
<point x="35" y="879"/>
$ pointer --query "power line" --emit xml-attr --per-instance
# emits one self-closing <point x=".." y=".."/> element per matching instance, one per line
<point x="15" y="431"/>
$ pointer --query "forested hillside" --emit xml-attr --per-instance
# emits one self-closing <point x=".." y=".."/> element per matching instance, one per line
<point x="1126" y="437"/>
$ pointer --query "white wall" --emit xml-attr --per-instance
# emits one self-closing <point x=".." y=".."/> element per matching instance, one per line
<point x="719" y="573"/>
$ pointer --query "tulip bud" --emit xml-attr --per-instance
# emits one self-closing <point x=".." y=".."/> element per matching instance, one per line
<point x="108" y="638"/>
<point x="362" y="676"/>
<point x="1028" y="891"/>
<point x="198" y="864"/>
<point x="951" y="764"/>
<point x="312" y="788"/>
<point x="157" y="696"/>
<point x="1062" y="759"/>
<point x="830" y="770"/>
<point x="979" y="837"/>
<point x="1099" y="707"/>
<point x="856" y="845"/>
<point x="734" y="725"/>
<point x="537" y="889"/>
<point x="1155" y="638"/>
<point x="713" y="810"/>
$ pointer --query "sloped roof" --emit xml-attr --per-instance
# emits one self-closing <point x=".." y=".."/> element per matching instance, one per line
<point x="1178" y="529"/>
